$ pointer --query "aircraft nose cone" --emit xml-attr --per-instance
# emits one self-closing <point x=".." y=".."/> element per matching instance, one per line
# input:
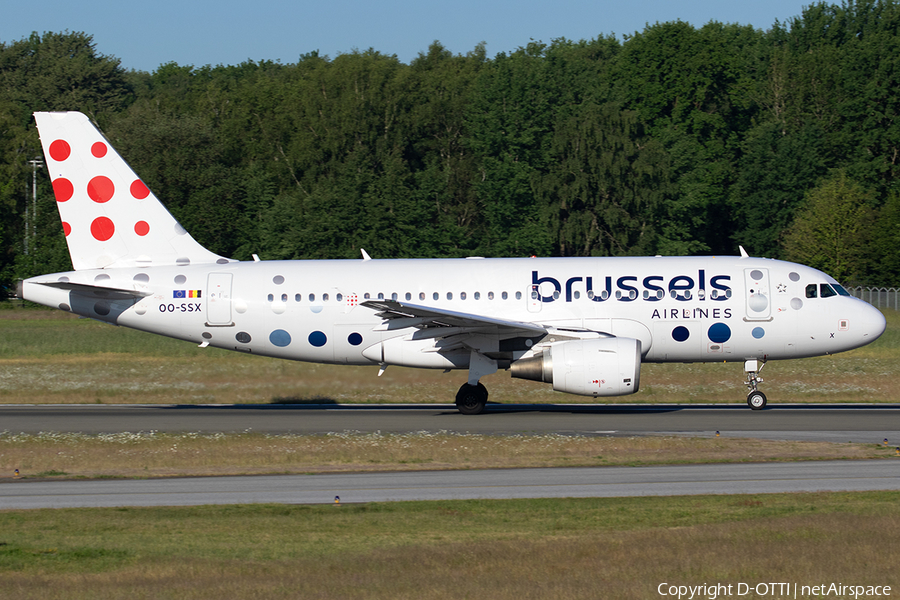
<point x="873" y="324"/>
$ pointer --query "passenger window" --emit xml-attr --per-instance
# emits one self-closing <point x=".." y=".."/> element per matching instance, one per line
<point x="271" y="298"/>
<point x="504" y="295"/>
<point x="284" y="297"/>
<point x="366" y="296"/>
<point x="825" y="291"/>
<point x="462" y="295"/>
<point x="297" y="297"/>
<point x="490" y="295"/>
<point x="380" y="295"/>
<point x="518" y="295"/>
<point x="477" y="295"/>
<point x="312" y="297"/>
<point x="811" y="291"/>
<point x="339" y="297"/>
<point x="408" y="296"/>
<point x="394" y="296"/>
<point x="436" y="296"/>
<point x="449" y="295"/>
<point x="421" y="295"/>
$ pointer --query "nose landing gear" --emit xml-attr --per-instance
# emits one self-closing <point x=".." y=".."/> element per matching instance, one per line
<point x="755" y="399"/>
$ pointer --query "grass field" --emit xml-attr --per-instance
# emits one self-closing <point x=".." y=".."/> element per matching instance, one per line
<point x="53" y="357"/>
<point x="149" y="454"/>
<point x="517" y="549"/>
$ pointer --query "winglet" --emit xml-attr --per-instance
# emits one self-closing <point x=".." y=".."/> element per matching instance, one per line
<point x="743" y="252"/>
<point x="365" y="254"/>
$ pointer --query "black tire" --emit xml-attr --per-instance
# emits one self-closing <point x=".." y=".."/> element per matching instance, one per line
<point x="756" y="400"/>
<point x="471" y="399"/>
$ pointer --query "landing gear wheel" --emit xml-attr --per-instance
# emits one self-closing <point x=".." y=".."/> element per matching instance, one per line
<point x="471" y="399"/>
<point x="756" y="400"/>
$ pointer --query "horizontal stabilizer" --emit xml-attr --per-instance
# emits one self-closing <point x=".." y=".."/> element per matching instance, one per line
<point x="96" y="290"/>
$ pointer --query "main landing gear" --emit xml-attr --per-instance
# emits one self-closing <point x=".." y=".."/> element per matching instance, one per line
<point x="755" y="399"/>
<point x="472" y="396"/>
<point x="471" y="399"/>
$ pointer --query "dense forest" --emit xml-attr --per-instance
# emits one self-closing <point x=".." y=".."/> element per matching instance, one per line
<point x="675" y="140"/>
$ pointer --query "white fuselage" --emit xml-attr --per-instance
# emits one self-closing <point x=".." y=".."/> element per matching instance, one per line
<point x="682" y="309"/>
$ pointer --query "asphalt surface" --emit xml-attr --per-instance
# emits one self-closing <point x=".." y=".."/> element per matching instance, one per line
<point x="835" y="423"/>
<point x="456" y="485"/>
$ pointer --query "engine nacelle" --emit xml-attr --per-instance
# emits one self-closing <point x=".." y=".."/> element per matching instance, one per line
<point x="593" y="367"/>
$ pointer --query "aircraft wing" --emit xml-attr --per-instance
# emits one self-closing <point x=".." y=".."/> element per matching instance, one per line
<point x="443" y="323"/>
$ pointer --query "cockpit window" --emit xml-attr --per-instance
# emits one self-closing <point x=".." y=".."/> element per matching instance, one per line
<point x="840" y="289"/>
<point x="826" y="290"/>
<point x="811" y="291"/>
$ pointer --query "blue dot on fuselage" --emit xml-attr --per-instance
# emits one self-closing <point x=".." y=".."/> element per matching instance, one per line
<point x="317" y="339"/>
<point x="758" y="332"/>
<point x="719" y="333"/>
<point x="680" y="334"/>
<point x="280" y="338"/>
<point x="355" y="339"/>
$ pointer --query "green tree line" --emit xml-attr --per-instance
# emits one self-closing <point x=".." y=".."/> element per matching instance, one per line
<point x="674" y="140"/>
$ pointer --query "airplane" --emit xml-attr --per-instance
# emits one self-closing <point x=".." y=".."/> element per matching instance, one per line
<point x="583" y="325"/>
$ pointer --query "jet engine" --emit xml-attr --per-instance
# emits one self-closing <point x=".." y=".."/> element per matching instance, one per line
<point x="608" y="366"/>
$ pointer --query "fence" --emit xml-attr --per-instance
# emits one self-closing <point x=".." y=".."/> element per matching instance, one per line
<point x="878" y="297"/>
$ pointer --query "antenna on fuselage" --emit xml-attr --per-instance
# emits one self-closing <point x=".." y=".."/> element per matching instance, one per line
<point x="743" y="252"/>
<point x="365" y="254"/>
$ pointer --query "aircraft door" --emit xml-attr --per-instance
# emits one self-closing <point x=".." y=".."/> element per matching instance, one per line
<point x="533" y="298"/>
<point x="218" y="300"/>
<point x="759" y="299"/>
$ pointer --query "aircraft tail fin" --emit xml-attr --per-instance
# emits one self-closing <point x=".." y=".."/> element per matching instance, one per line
<point x="110" y="218"/>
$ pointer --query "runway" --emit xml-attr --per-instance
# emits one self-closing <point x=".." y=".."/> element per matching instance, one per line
<point x="759" y="478"/>
<point x="838" y="423"/>
<point x="858" y="423"/>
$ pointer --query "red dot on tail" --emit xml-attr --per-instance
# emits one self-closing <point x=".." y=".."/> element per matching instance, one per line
<point x="139" y="190"/>
<point x="59" y="150"/>
<point x="102" y="229"/>
<point x="98" y="149"/>
<point x="63" y="189"/>
<point x="101" y="189"/>
<point x="142" y="228"/>
<point x="67" y="229"/>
